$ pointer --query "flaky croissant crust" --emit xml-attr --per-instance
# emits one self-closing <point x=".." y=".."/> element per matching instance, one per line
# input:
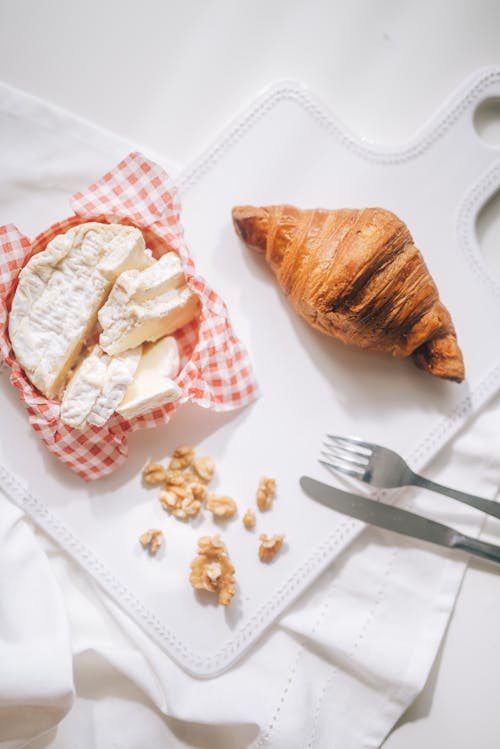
<point x="356" y="275"/>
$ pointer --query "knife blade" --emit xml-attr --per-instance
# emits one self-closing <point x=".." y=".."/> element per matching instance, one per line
<point x="396" y="519"/>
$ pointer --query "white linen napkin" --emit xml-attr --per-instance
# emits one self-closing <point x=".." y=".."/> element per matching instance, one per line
<point x="35" y="678"/>
<point x="337" y="669"/>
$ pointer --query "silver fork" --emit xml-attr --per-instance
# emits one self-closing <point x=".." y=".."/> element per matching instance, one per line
<point x="383" y="468"/>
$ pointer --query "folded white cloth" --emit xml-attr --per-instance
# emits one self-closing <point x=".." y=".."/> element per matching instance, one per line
<point x="36" y="674"/>
<point x="337" y="669"/>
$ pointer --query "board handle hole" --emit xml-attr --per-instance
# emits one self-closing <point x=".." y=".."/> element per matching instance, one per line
<point x="487" y="121"/>
<point x="488" y="232"/>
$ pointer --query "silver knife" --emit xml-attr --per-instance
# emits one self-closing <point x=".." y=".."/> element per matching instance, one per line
<point x="397" y="519"/>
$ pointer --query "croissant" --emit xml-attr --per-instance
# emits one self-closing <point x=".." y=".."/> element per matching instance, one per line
<point x="356" y="275"/>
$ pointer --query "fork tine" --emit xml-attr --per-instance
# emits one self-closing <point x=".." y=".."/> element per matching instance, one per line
<point x="347" y="448"/>
<point x="355" y="459"/>
<point x="341" y="469"/>
<point x="353" y="442"/>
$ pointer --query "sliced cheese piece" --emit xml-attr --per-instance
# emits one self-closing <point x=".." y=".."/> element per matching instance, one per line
<point x="59" y="293"/>
<point x="152" y="385"/>
<point x="147" y="305"/>
<point x="97" y="387"/>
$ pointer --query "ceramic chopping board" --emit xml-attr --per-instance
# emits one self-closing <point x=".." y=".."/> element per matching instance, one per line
<point x="286" y="147"/>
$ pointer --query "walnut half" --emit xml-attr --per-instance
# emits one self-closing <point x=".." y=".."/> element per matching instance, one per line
<point x="269" y="546"/>
<point x="152" y="539"/>
<point x="265" y="493"/>
<point x="180" y="501"/>
<point x="205" y="468"/>
<point x="212" y="569"/>
<point x="174" y="478"/>
<point x="220" y="506"/>
<point x="249" y="518"/>
<point x="154" y="473"/>
<point x="182" y="457"/>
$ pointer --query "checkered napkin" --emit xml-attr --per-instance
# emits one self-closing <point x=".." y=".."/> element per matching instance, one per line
<point x="215" y="369"/>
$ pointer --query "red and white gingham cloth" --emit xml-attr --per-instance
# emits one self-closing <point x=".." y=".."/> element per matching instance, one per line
<point x="215" y="369"/>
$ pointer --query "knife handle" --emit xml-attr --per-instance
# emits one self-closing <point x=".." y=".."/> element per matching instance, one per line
<point x="478" y="548"/>
<point x="486" y="505"/>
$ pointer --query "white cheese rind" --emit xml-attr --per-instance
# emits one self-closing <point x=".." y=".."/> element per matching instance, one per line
<point x="147" y="305"/>
<point x="97" y="387"/>
<point x="59" y="293"/>
<point x="152" y="385"/>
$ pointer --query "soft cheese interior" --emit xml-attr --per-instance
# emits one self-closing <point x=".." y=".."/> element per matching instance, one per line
<point x="152" y="385"/>
<point x="97" y="386"/>
<point x="147" y="305"/>
<point x="60" y="292"/>
<point x="101" y="273"/>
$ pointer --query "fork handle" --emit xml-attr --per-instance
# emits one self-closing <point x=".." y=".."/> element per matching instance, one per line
<point x="486" y="505"/>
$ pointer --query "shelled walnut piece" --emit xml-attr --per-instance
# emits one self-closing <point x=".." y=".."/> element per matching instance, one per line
<point x="186" y="480"/>
<point x="185" y="490"/>
<point x="182" y="457"/>
<point x="180" y="501"/>
<point x="221" y="506"/>
<point x="249" y="518"/>
<point x="204" y="468"/>
<point x="154" y="474"/>
<point x="266" y="492"/>
<point x="152" y="539"/>
<point x="269" y="546"/>
<point x="212" y="569"/>
<point x="174" y="478"/>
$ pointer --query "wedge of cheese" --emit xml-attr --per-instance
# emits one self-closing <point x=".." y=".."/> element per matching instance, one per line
<point x="147" y="305"/>
<point x="59" y="294"/>
<point x="97" y="387"/>
<point x="152" y="385"/>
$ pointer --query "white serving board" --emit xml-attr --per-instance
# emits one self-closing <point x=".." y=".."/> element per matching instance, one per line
<point x="285" y="148"/>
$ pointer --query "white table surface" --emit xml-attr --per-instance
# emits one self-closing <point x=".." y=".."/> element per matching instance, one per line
<point x="384" y="68"/>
